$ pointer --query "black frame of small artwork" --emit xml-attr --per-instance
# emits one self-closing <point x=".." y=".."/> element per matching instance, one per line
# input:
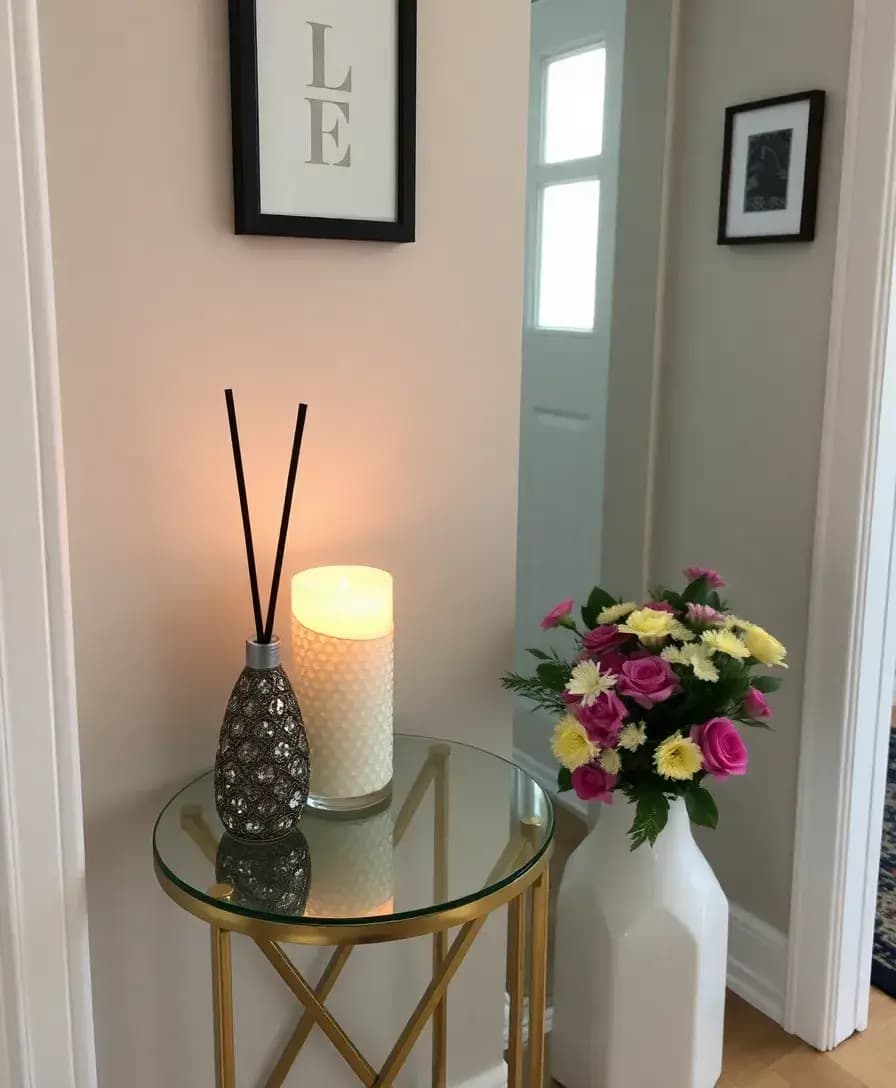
<point x="248" y="217"/>
<point x="806" y="233"/>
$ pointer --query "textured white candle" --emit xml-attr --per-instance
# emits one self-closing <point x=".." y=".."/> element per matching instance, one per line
<point x="342" y="643"/>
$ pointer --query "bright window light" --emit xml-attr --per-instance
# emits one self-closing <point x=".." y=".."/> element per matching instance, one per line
<point x="567" y="269"/>
<point x="574" y="106"/>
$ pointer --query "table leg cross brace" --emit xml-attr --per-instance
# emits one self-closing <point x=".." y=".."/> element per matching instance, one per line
<point x="316" y="1012"/>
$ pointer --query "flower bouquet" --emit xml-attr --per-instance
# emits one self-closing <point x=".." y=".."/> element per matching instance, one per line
<point x="649" y="701"/>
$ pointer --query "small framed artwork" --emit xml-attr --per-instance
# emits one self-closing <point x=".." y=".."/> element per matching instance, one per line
<point x="323" y="97"/>
<point x="770" y="168"/>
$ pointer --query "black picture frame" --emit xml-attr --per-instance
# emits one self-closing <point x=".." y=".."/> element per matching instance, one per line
<point x="806" y="232"/>
<point x="248" y="217"/>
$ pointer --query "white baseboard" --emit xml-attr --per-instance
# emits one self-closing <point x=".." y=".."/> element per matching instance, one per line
<point x="757" y="962"/>
<point x="548" y="1020"/>
<point x="546" y="777"/>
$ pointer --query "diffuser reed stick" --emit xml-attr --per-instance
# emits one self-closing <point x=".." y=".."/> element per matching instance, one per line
<point x="244" y="511"/>
<point x="284" y="520"/>
<point x="264" y="632"/>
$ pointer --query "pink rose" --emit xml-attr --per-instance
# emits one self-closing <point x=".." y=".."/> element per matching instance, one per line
<point x="558" y="615"/>
<point x="612" y="662"/>
<point x="724" y="752"/>
<point x="703" y="614"/>
<point x="648" y="680"/>
<point x="756" y="704"/>
<point x="602" y="639"/>
<point x="603" y="719"/>
<point x="715" y="580"/>
<point x="594" y="784"/>
<point x="659" y="606"/>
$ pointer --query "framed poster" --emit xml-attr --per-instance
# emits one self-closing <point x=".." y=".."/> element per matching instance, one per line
<point x="324" y="116"/>
<point x="770" y="167"/>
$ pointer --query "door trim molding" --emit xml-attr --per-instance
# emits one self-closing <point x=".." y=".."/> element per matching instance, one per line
<point x="852" y="646"/>
<point x="45" y="993"/>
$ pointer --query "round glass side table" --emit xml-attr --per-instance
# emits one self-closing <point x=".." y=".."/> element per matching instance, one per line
<point x="463" y="834"/>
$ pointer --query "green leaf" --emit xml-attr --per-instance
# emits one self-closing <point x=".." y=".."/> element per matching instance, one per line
<point x="697" y="591"/>
<point x="564" y="780"/>
<point x="765" y="684"/>
<point x="651" y="814"/>
<point x="553" y="674"/>
<point x="598" y="600"/>
<point x="756" y="723"/>
<point x="540" y="654"/>
<point x="701" y="807"/>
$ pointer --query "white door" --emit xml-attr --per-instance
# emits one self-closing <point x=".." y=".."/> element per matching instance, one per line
<point x="574" y="121"/>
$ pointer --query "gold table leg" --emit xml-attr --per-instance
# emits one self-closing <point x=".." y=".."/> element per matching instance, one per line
<point x="303" y="1029"/>
<point x="539" y="979"/>
<point x="440" y="891"/>
<point x="516" y="975"/>
<point x="222" y="1004"/>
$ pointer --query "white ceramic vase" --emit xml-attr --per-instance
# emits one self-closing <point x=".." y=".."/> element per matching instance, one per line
<point x="640" y="962"/>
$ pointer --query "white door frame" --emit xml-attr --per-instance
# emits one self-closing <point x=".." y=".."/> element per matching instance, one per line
<point x="852" y="645"/>
<point x="45" y="997"/>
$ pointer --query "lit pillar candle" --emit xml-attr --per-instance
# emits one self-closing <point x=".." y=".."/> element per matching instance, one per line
<point x="342" y="643"/>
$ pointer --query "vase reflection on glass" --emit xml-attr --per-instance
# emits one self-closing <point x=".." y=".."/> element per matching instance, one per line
<point x="641" y="947"/>
<point x="262" y="762"/>
<point x="272" y="877"/>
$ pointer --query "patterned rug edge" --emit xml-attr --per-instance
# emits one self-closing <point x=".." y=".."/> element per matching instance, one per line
<point x="883" y="968"/>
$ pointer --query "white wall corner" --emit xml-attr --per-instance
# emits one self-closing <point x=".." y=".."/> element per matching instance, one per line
<point x="757" y="962"/>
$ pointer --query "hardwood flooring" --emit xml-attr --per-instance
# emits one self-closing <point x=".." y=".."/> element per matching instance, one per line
<point x="758" y="1053"/>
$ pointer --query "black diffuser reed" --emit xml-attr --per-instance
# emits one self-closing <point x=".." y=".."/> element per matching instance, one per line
<point x="262" y="767"/>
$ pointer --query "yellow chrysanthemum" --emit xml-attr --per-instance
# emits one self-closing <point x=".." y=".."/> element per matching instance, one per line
<point x="678" y="758"/>
<point x="725" y="642"/>
<point x="682" y="633"/>
<point x="695" y="656"/>
<point x="675" y="655"/>
<point x="587" y="681"/>
<point x="570" y="744"/>
<point x="610" y="761"/>
<point x="616" y="612"/>
<point x="649" y="624"/>
<point x="730" y="621"/>
<point x="633" y="736"/>
<point x="764" y="647"/>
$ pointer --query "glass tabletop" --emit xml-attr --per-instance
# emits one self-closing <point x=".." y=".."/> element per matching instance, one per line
<point x="461" y="823"/>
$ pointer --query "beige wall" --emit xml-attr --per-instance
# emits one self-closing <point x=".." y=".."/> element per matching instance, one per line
<point x="742" y="391"/>
<point x="409" y="358"/>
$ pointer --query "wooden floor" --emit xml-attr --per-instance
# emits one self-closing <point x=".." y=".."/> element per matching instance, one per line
<point x="758" y="1054"/>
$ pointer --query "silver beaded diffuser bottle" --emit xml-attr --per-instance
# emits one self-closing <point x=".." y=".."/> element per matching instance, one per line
<point x="262" y="762"/>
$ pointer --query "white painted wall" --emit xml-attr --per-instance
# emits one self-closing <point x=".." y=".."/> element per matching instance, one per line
<point x="742" y="392"/>
<point x="409" y="358"/>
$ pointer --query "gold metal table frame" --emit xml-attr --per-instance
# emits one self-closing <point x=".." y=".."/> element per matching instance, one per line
<point x="526" y="897"/>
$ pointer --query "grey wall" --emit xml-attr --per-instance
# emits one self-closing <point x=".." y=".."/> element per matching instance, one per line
<point x="409" y="357"/>
<point x="742" y="391"/>
<point x="638" y="212"/>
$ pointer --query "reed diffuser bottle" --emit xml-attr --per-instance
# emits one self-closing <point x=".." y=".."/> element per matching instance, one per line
<point x="262" y="766"/>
